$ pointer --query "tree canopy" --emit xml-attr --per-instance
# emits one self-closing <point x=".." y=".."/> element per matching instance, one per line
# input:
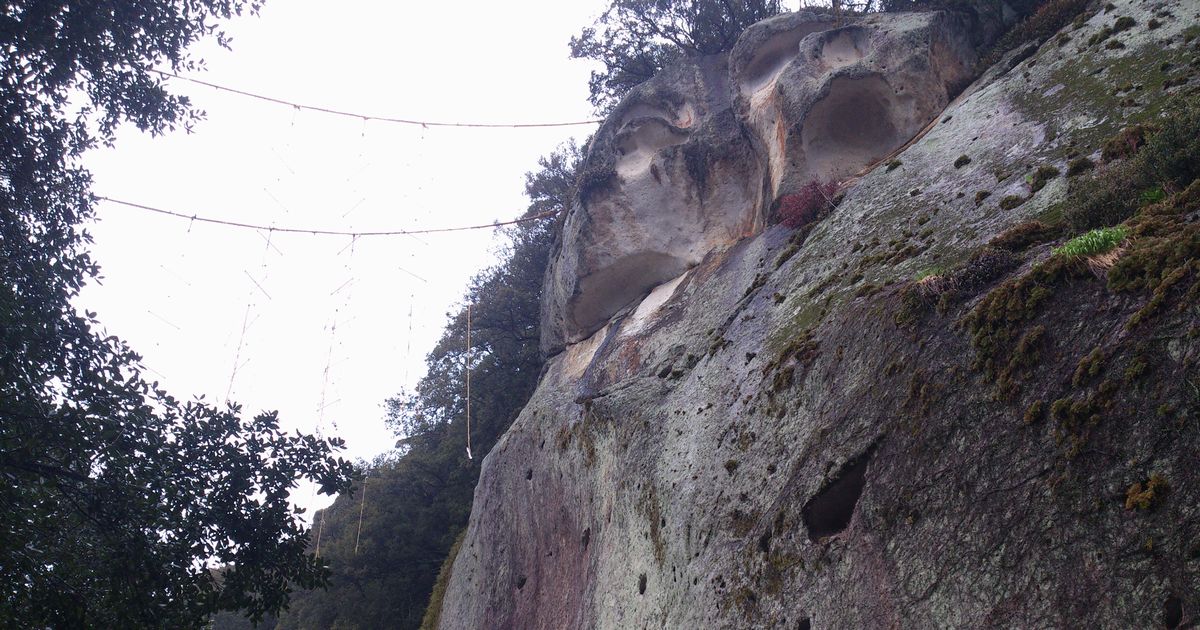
<point x="634" y="39"/>
<point x="122" y="506"/>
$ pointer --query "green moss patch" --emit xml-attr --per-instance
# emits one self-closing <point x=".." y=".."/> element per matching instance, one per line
<point x="1145" y="496"/>
<point x="1024" y="235"/>
<point x="1011" y="201"/>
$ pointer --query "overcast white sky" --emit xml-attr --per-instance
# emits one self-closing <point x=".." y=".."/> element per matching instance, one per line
<point x="325" y="319"/>
<point x="319" y="327"/>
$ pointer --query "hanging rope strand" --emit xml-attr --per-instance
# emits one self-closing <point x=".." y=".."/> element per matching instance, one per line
<point x="469" y="382"/>
<point x="361" y="505"/>
<point x="321" y="531"/>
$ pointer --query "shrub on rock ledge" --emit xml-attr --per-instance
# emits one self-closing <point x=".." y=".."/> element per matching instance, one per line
<point x="809" y="205"/>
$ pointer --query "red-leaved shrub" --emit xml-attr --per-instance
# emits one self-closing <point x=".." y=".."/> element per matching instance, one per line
<point x="810" y="204"/>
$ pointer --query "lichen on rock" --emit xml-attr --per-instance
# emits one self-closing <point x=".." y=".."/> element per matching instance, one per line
<point x="917" y="414"/>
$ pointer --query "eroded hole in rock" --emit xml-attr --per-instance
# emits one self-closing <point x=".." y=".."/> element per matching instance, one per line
<point x="844" y="47"/>
<point x="641" y="139"/>
<point x="642" y="584"/>
<point x="520" y="582"/>
<point x="855" y="124"/>
<point x="804" y="624"/>
<point x="528" y="474"/>
<point x="603" y="293"/>
<point x="587" y="537"/>
<point x="774" y="55"/>
<point x="1172" y="612"/>
<point x="829" y="512"/>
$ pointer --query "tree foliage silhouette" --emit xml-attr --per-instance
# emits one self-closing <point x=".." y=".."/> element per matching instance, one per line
<point x="634" y="39"/>
<point x="119" y="502"/>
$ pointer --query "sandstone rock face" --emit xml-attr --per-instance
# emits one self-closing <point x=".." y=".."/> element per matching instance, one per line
<point x="669" y="177"/>
<point x="825" y="100"/>
<point x="691" y="161"/>
<point x="778" y="436"/>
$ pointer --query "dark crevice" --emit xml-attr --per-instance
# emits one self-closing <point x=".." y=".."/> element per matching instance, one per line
<point x="1172" y="612"/>
<point x="642" y="584"/>
<point x="804" y="624"/>
<point x="764" y="541"/>
<point x="829" y="512"/>
<point x="521" y="582"/>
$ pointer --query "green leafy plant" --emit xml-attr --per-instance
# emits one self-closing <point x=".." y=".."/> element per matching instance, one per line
<point x="1095" y="242"/>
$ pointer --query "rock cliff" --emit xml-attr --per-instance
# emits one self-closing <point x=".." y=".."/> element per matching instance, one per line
<point x="908" y="411"/>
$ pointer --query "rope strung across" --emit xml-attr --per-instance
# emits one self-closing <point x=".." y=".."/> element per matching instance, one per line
<point x="316" y="232"/>
<point x="366" y="117"/>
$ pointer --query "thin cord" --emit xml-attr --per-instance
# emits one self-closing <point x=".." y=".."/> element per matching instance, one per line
<point x="348" y="286"/>
<point x="321" y="531"/>
<point x="364" y="117"/>
<point x="268" y="228"/>
<point x="469" y="382"/>
<point x="246" y="322"/>
<point x="360" y="514"/>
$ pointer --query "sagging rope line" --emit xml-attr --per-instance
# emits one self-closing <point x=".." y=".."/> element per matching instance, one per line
<point x="270" y="229"/>
<point x="366" y="117"/>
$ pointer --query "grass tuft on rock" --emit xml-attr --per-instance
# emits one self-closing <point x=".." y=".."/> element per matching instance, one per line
<point x="1095" y="242"/>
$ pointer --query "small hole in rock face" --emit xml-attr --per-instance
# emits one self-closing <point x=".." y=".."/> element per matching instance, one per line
<point x="587" y="537"/>
<point x="529" y="474"/>
<point x="1172" y="612"/>
<point x="764" y="542"/>
<point x="829" y="512"/>
<point x="642" y="584"/>
<point x="804" y="624"/>
<point x="521" y="582"/>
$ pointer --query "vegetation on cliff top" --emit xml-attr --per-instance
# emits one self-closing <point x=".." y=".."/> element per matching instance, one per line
<point x="634" y="39"/>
